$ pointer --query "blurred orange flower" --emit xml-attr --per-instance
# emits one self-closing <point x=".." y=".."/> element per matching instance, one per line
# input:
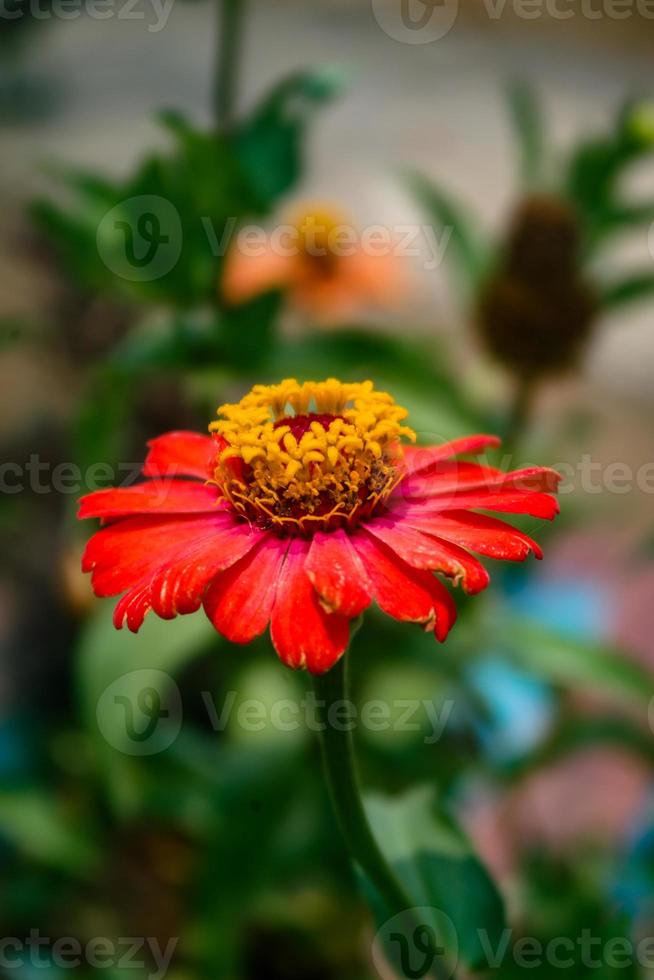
<point x="330" y="270"/>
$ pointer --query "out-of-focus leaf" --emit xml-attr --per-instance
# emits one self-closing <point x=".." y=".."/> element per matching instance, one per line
<point x="98" y="430"/>
<point x="593" y="174"/>
<point x="528" y="125"/>
<point x="162" y="233"/>
<point x="232" y="338"/>
<point x="623" y="217"/>
<point x="269" y="144"/>
<point x="472" y="254"/>
<point x="129" y="699"/>
<point x="356" y="353"/>
<point x="629" y="290"/>
<point x="577" y="734"/>
<point x="252" y="789"/>
<point x="180" y="341"/>
<point x="588" y="665"/>
<point x="106" y="654"/>
<point x="436" y="864"/>
<point x="247" y="330"/>
<point x="38" y="826"/>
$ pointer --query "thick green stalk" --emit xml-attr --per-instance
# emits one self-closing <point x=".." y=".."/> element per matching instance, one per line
<point x="519" y="417"/>
<point x="342" y="780"/>
<point x="331" y="689"/>
<point x="230" y="43"/>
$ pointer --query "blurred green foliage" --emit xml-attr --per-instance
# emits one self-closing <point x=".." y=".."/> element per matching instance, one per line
<point x="225" y="837"/>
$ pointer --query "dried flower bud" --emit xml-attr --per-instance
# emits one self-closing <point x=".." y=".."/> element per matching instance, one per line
<point x="536" y="313"/>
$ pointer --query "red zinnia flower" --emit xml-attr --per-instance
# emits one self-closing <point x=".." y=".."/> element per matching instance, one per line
<point x="303" y="506"/>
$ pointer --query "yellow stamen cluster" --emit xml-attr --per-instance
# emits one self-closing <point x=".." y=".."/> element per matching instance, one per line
<point x="318" y="232"/>
<point x="318" y="454"/>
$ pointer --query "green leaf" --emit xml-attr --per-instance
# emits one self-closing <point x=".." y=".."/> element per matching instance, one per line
<point x="184" y="340"/>
<point x="529" y="129"/>
<point x="619" y="216"/>
<point x="247" y="331"/>
<point x="575" y="663"/>
<point x="162" y="233"/>
<point x="438" y="868"/>
<point x="129" y="700"/>
<point x="472" y="254"/>
<point x="105" y="653"/>
<point x="269" y="144"/>
<point x="37" y="825"/>
<point x="353" y="352"/>
<point x="639" y="286"/>
<point x="593" y="177"/>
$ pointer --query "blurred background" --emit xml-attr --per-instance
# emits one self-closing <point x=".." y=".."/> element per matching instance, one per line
<point x="506" y="152"/>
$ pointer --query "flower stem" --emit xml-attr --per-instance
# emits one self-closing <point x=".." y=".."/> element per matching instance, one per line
<point x="336" y="742"/>
<point x="228" y="60"/>
<point x="342" y="780"/>
<point x="519" y="415"/>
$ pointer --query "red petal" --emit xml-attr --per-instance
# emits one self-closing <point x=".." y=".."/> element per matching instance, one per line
<point x="445" y="479"/>
<point x="164" y="563"/>
<point x="120" y="555"/>
<point x="403" y="592"/>
<point x="132" y="609"/>
<point x="239" y="601"/>
<point x="422" y="551"/>
<point x="485" y="535"/>
<point x="180" y="587"/>
<point x="154" y="497"/>
<point x="337" y="574"/>
<point x="181" y="454"/>
<point x="448" y="479"/>
<point x="420" y="458"/>
<point x="504" y="501"/>
<point x="302" y="632"/>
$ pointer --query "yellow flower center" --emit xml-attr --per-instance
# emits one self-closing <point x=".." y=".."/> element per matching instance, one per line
<point x="319" y="234"/>
<point x="303" y="457"/>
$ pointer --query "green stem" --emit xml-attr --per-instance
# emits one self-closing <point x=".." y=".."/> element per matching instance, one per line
<point x="519" y="415"/>
<point x="343" y="783"/>
<point x="337" y="747"/>
<point x="228" y="60"/>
